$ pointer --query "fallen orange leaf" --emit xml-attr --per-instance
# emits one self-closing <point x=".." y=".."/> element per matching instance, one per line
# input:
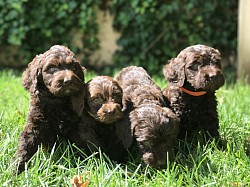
<point x="77" y="182"/>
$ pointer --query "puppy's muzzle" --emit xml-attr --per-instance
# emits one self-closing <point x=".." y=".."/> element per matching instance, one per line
<point x="110" y="112"/>
<point x="67" y="80"/>
<point x="66" y="84"/>
<point x="213" y="74"/>
<point x="214" y="79"/>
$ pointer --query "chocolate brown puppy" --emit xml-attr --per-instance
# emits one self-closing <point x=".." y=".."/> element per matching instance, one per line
<point x="194" y="76"/>
<point x="153" y="126"/>
<point x="102" y="113"/>
<point x="55" y="82"/>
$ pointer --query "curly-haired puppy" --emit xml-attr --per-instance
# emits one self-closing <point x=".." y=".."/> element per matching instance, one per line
<point x="103" y="110"/>
<point x="194" y="76"/>
<point x="55" y="82"/>
<point x="154" y="127"/>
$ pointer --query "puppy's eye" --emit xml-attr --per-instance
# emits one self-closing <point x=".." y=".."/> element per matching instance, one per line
<point x="52" y="69"/>
<point x="117" y="98"/>
<point x="194" y="67"/>
<point x="116" y="90"/>
<point x="96" y="100"/>
<point x="214" y="63"/>
<point x="74" y="67"/>
<point x="95" y="104"/>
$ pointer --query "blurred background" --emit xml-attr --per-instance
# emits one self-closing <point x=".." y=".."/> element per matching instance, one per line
<point x="107" y="35"/>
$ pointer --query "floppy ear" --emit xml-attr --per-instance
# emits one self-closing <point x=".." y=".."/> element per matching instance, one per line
<point x="127" y="104"/>
<point x="174" y="71"/>
<point x="123" y="126"/>
<point x="83" y="69"/>
<point x="124" y="132"/>
<point x="81" y="73"/>
<point x="78" y="101"/>
<point x="31" y="75"/>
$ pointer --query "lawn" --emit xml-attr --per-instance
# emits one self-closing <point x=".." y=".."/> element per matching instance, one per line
<point x="206" y="165"/>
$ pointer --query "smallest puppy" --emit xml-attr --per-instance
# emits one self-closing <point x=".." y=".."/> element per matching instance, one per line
<point x="104" y="99"/>
<point x="102" y="113"/>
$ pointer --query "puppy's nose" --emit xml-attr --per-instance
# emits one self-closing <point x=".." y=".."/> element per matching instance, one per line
<point x="110" y="112"/>
<point x="67" y="77"/>
<point x="212" y="76"/>
<point x="66" y="80"/>
<point x="215" y="76"/>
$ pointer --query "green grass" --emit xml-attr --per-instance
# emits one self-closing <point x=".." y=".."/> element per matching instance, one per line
<point x="206" y="165"/>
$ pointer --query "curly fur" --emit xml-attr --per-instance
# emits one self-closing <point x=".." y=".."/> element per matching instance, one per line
<point x="153" y="126"/>
<point x="55" y="82"/>
<point x="101" y="115"/>
<point x="196" y="68"/>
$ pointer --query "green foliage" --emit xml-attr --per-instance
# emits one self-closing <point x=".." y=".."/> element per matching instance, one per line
<point x="36" y="25"/>
<point x="12" y="22"/>
<point x="155" y="31"/>
<point x="152" y="31"/>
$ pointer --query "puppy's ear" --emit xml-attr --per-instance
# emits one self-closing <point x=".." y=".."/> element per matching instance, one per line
<point x="124" y="132"/>
<point x="127" y="104"/>
<point x="83" y="69"/>
<point x="82" y="76"/>
<point x="174" y="71"/>
<point x="78" y="101"/>
<point x="32" y="75"/>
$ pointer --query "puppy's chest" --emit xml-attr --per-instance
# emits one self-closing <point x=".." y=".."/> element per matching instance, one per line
<point x="105" y="132"/>
<point x="62" y="118"/>
<point x="194" y="112"/>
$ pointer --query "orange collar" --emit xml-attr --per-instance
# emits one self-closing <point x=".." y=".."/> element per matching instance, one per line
<point x="200" y="93"/>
